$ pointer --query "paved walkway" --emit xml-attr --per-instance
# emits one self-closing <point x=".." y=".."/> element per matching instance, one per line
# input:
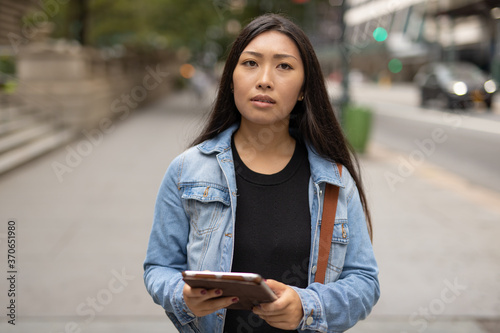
<point x="83" y="216"/>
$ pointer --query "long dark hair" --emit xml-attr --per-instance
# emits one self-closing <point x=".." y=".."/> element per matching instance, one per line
<point x="313" y="118"/>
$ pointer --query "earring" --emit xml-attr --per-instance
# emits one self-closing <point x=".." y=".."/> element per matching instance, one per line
<point x="301" y="98"/>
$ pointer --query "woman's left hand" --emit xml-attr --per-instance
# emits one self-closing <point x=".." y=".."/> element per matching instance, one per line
<point x="285" y="312"/>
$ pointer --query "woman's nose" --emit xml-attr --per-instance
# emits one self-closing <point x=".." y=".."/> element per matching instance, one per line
<point x="265" y="79"/>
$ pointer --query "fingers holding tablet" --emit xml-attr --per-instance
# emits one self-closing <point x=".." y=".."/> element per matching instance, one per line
<point x="286" y="312"/>
<point x="203" y="301"/>
<point x="248" y="288"/>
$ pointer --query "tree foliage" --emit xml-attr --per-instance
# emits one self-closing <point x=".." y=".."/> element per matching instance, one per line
<point x="202" y="27"/>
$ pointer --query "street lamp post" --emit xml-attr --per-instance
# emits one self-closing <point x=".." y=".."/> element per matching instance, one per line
<point x="345" y="99"/>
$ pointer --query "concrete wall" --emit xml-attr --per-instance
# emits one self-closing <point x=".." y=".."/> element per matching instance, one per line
<point x="80" y="86"/>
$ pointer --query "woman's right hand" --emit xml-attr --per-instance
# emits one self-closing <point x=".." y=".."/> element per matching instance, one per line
<point x="202" y="301"/>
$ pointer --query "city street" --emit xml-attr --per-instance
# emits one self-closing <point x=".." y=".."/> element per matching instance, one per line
<point x="97" y="98"/>
<point x="82" y="230"/>
<point x="467" y="142"/>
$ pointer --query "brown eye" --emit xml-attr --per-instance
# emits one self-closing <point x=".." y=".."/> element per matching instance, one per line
<point x="284" y="66"/>
<point x="250" y="63"/>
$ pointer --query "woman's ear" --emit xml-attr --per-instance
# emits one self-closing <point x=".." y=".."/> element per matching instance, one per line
<point x="301" y="97"/>
<point x="232" y="88"/>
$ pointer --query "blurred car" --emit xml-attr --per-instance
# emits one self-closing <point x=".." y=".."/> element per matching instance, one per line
<point x="454" y="85"/>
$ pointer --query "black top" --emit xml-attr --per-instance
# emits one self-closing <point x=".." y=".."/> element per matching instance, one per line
<point x="272" y="231"/>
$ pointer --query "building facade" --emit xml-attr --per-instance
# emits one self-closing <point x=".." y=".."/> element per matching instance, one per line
<point x="421" y="31"/>
<point x="12" y="29"/>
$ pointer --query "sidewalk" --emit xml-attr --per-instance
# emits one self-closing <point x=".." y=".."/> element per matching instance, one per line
<point x="82" y="235"/>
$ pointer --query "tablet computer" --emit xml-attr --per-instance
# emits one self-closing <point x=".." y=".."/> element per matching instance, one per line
<point x="250" y="288"/>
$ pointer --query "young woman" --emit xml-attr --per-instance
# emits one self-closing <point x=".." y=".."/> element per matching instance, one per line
<point x="248" y="197"/>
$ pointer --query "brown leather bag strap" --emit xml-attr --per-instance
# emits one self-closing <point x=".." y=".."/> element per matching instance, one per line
<point x="326" y="232"/>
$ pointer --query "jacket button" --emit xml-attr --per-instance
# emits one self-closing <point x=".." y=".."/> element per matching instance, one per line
<point x="192" y="315"/>
<point x="320" y="192"/>
<point x="309" y="320"/>
<point x="314" y="268"/>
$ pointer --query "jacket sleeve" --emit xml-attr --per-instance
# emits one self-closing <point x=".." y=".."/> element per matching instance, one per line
<point x="339" y="305"/>
<point x="166" y="253"/>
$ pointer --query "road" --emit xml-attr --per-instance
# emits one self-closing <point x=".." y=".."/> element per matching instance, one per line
<point x="467" y="143"/>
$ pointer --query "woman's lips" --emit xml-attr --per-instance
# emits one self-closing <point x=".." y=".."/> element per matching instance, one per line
<point x="262" y="101"/>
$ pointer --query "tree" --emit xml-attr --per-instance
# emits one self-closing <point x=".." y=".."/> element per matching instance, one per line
<point x="202" y="26"/>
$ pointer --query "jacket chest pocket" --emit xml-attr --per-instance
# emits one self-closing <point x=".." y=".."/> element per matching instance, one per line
<point x="340" y="240"/>
<point x="206" y="206"/>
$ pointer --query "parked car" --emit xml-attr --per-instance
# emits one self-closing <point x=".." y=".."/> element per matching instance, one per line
<point x="454" y="85"/>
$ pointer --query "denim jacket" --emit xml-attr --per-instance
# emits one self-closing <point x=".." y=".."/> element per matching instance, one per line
<point x="193" y="230"/>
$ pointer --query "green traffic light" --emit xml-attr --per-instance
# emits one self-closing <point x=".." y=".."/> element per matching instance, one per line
<point x="395" y="66"/>
<point x="380" y="34"/>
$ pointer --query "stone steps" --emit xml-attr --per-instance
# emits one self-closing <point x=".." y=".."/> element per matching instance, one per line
<point x="22" y="136"/>
<point x="34" y="149"/>
<point x="18" y="123"/>
<point x="26" y="134"/>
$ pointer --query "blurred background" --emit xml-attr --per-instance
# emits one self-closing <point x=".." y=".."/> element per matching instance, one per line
<point x="98" y="96"/>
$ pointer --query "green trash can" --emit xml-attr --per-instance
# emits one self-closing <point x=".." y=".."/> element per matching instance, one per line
<point x="357" y="123"/>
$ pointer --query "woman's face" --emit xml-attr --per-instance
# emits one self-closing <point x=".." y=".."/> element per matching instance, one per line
<point x="268" y="79"/>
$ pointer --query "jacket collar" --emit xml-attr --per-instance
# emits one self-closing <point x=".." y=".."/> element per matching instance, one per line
<point x="322" y="170"/>
<point x="220" y="143"/>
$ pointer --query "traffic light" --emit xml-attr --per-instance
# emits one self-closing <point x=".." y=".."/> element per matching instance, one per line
<point x="380" y="34"/>
<point x="395" y="66"/>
